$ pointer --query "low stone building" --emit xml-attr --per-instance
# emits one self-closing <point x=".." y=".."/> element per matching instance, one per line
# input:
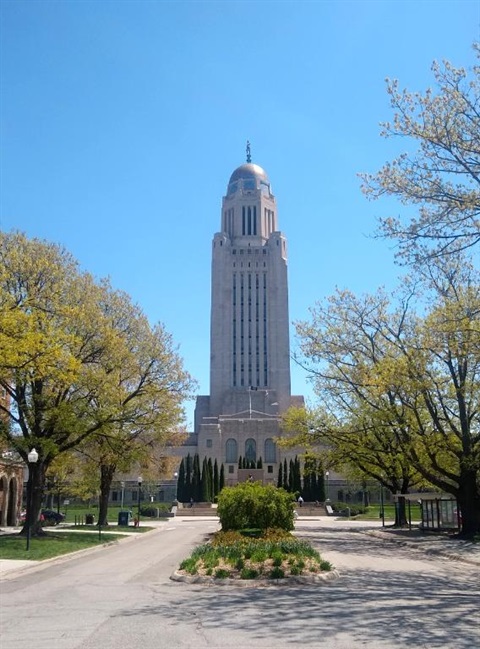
<point x="11" y="489"/>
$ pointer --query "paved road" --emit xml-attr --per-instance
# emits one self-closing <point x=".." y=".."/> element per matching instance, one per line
<point x="387" y="597"/>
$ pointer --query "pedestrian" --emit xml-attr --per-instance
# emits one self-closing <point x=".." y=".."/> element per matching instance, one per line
<point x="300" y="501"/>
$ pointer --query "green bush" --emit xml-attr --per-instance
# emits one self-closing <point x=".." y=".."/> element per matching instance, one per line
<point x="252" y="505"/>
<point x="341" y="508"/>
<point x="152" y="511"/>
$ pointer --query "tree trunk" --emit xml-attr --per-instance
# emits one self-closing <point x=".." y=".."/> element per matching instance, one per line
<point x="400" y="512"/>
<point x="469" y="503"/>
<point x="35" y="488"/>
<point x="107" y="472"/>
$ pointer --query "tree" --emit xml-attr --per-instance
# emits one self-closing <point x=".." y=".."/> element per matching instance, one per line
<point x="399" y="392"/>
<point x="280" y="476"/>
<point x="221" y="483"/>
<point x="216" y="483"/>
<point x="196" y="479"/>
<point x="442" y="177"/>
<point x="77" y="359"/>
<point x="181" y="495"/>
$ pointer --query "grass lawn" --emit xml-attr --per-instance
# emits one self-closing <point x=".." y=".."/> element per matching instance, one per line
<point x="53" y="544"/>
<point x="78" y="512"/>
<point x="110" y="530"/>
<point x="374" y="513"/>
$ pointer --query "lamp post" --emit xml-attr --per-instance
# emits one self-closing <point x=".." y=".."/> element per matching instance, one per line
<point x="327" y="475"/>
<point x="175" y="475"/>
<point x="122" y="484"/>
<point x="139" y="480"/>
<point x="32" y="459"/>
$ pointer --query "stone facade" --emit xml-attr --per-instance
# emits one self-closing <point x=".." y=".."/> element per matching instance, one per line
<point x="249" y="341"/>
<point x="11" y="489"/>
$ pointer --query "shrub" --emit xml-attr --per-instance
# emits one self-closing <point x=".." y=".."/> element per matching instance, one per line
<point x="248" y="573"/>
<point x="276" y="573"/>
<point x="149" y="512"/>
<point x="250" y="505"/>
<point x="341" y="508"/>
<point x="221" y="573"/>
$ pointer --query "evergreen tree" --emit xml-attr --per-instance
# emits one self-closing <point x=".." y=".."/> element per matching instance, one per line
<point x="307" y="478"/>
<point x="259" y="463"/>
<point x="244" y="463"/>
<point x="240" y="462"/>
<point x="280" y="476"/>
<point x="285" y="475"/>
<point x="196" y="479"/>
<point x="291" y="476"/>
<point x="215" y="479"/>
<point x="297" y="479"/>
<point x="321" y="495"/>
<point x="210" y="479"/>
<point x="188" y="493"/>
<point x="205" y="482"/>
<point x="221" y="481"/>
<point x="181" y="482"/>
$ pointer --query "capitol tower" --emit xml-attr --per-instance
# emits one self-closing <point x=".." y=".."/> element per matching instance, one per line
<point x="249" y="334"/>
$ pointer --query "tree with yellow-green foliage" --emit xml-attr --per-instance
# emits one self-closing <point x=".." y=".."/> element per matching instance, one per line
<point x="78" y="360"/>
<point x="441" y="173"/>
<point x="399" y="390"/>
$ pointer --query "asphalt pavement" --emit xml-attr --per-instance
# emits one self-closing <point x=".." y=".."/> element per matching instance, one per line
<point x="429" y="543"/>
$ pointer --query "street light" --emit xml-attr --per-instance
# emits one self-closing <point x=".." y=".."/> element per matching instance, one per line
<point x="32" y="459"/>
<point x="327" y="475"/>
<point x="122" y="484"/>
<point x="139" y="480"/>
<point x="175" y="475"/>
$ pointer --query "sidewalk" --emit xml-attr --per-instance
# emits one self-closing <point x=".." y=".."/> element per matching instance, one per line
<point x="431" y="543"/>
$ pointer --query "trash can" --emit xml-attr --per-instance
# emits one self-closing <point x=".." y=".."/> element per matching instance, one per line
<point x="89" y="519"/>
<point x="123" y="519"/>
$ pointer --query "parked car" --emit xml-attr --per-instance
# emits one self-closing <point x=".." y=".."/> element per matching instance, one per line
<point x="50" y="517"/>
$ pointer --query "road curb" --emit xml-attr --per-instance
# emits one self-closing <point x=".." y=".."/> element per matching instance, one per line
<point x="295" y="580"/>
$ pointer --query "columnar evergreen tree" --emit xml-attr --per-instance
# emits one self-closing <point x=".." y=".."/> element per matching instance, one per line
<point x="291" y="476"/>
<point x="210" y="479"/>
<point x="286" y="485"/>
<point x="188" y="493"/>
<point x="297" y="479"/>
<point x="181" y="482"/>
<point x="259" y="463"/>
<point x="280" y="476"/>
<point x="205" y="481"/>
<point x="196" y="479"/>
<point x="319" y="492"/>
<point x="221" y="481"/>
<point x="240" y="462"/>
<point x="216" y="484"/>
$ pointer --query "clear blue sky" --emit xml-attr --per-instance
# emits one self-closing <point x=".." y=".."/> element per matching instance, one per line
<point x="121" y="123"/>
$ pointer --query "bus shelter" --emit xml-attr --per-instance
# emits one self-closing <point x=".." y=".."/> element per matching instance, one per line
<point x="439" y="511"/>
